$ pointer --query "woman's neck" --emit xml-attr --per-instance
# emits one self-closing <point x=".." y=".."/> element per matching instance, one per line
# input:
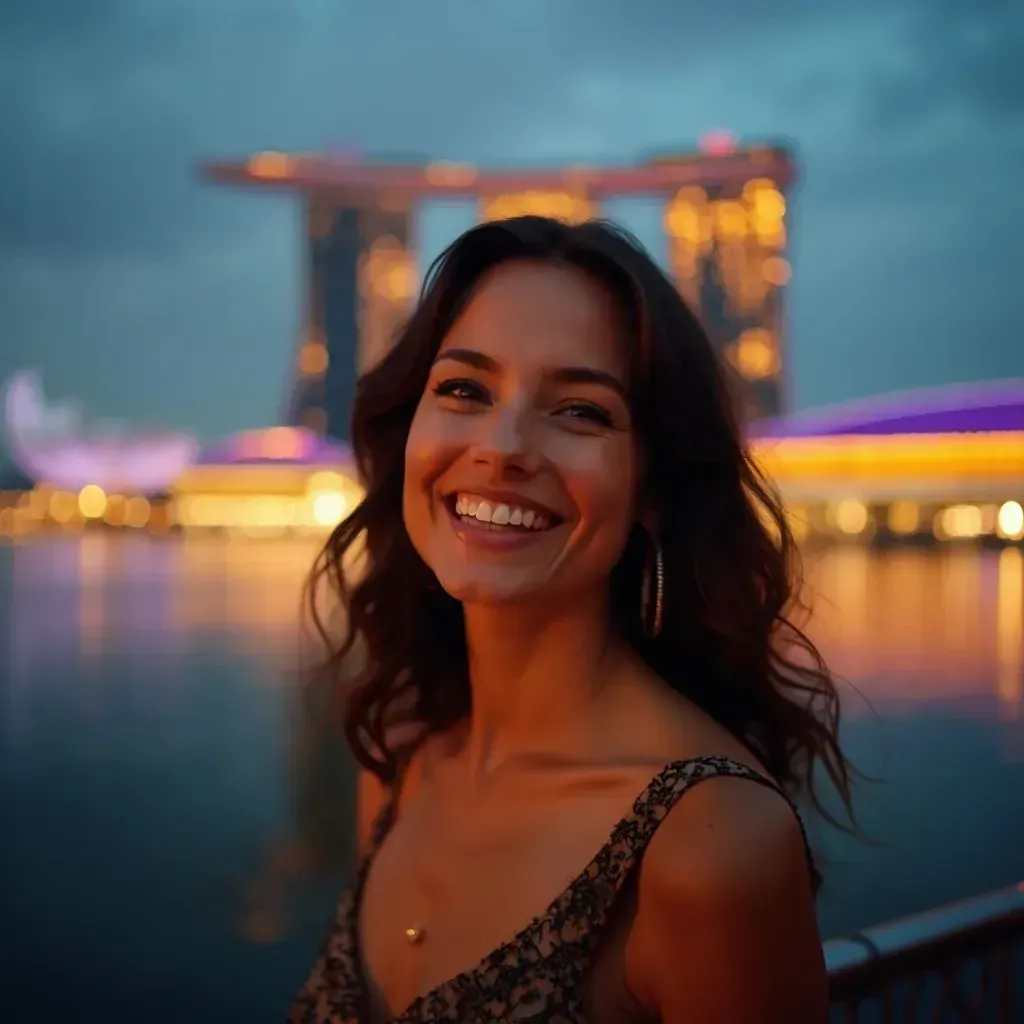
<point x="535" y="679"/>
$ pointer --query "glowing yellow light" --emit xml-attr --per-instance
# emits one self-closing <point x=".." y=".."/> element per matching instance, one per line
<point x="769" y="204"/>
<point x="851" y="517"/>
<point x="115" y="511"/>
<point x="755" y="355"/>
<point x="326" y="480"/>
<point x="329" y="508"/>
<point x="756" y="185"/>
<point x="92" y="502"/>
<point x="313" y="359"/>
<point x="271" y="165"/>
<point x="63" y="506"/>
<point x="1010" y="520"/>
<point x="959" y="522"/>
<point x="904" y="517"/>
<point x="730" y="219"/>
<point x="136" y="512"/>
<point x="1010" y="630"/>
<point x="36" y="502"/>
<point x="897" y="457"/>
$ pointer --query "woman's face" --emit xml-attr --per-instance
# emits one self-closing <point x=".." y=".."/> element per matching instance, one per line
<point x="520" y="466"/>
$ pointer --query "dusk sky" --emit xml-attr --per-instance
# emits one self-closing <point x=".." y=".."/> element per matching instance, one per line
<point x="159" y="299"/>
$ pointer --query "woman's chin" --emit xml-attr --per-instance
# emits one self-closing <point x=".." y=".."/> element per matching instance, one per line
<point x="492" y="589"/>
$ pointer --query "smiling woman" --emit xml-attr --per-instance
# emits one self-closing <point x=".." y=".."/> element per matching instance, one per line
<point x="575" y="610"/>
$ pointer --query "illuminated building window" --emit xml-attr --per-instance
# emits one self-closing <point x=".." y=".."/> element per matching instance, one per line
<point x="271" y="165"/>
<point x="313" y="359"/>
<point x="388" y="282"/>
<point x="755" y="355"/>
<point x="725" y="253"/>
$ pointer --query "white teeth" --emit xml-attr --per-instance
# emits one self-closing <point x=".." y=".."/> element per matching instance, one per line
<point x="499" y="514"/>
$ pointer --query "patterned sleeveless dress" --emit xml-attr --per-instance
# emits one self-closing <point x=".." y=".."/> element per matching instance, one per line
<point x="537" y="975"/>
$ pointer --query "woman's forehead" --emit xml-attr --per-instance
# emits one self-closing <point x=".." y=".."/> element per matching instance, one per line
<point x="526" y="312"/>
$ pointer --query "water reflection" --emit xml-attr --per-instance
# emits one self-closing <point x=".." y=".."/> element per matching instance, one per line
<point x="913" y="626"/>
<point x="145" y="700"/>
<point x="1010" y="648"/>
<point x="87" y="595"/>
<point x="908" y="626"/>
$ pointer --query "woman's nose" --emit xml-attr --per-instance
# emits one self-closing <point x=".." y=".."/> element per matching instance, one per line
<point x="507" y="439"/>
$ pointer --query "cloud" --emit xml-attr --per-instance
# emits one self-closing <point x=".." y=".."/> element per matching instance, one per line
<point x="114" y="106"/>
<point x="951" y="53"/>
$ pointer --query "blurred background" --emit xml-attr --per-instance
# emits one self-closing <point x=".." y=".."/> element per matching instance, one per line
<point x="214" y="214"/>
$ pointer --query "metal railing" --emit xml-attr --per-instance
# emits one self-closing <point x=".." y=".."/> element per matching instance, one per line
<point x="962" y="964"/>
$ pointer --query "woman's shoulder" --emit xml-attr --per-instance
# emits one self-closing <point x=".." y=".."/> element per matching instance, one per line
<point x="725" y="887"/>
<point x="728" y="833"/>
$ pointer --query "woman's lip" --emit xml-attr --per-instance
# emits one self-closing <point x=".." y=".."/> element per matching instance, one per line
<point x="481" y="535"/>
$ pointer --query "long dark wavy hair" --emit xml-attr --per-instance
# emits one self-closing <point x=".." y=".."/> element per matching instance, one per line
<point x="731" y="640"/>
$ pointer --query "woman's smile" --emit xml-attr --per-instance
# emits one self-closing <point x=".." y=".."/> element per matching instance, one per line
<point x="499" y="522"/>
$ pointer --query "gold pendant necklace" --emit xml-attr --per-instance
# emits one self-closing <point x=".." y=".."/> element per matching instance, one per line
<point x="415" y="934"/>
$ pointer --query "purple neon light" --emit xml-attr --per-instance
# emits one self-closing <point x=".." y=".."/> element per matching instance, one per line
<point x="50" y="445"/>
<point x="248" y="448"/>
<point x="994" y="406"/>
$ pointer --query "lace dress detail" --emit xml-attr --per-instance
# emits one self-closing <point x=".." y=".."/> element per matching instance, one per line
<point x="535" y="976"/>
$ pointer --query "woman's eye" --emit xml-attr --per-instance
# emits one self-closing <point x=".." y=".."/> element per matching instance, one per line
<point x="588" y="413"/>
<point x="461" y="390"/>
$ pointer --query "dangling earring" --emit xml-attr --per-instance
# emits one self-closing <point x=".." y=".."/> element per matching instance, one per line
<point x="652" y="593"/>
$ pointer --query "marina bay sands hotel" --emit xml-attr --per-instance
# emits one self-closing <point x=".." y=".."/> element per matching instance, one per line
<point x="724" y="218"/>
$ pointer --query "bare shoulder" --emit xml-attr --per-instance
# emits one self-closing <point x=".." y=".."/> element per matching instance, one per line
<point x="732" y="834"/>
<point x="725" y="929"/>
